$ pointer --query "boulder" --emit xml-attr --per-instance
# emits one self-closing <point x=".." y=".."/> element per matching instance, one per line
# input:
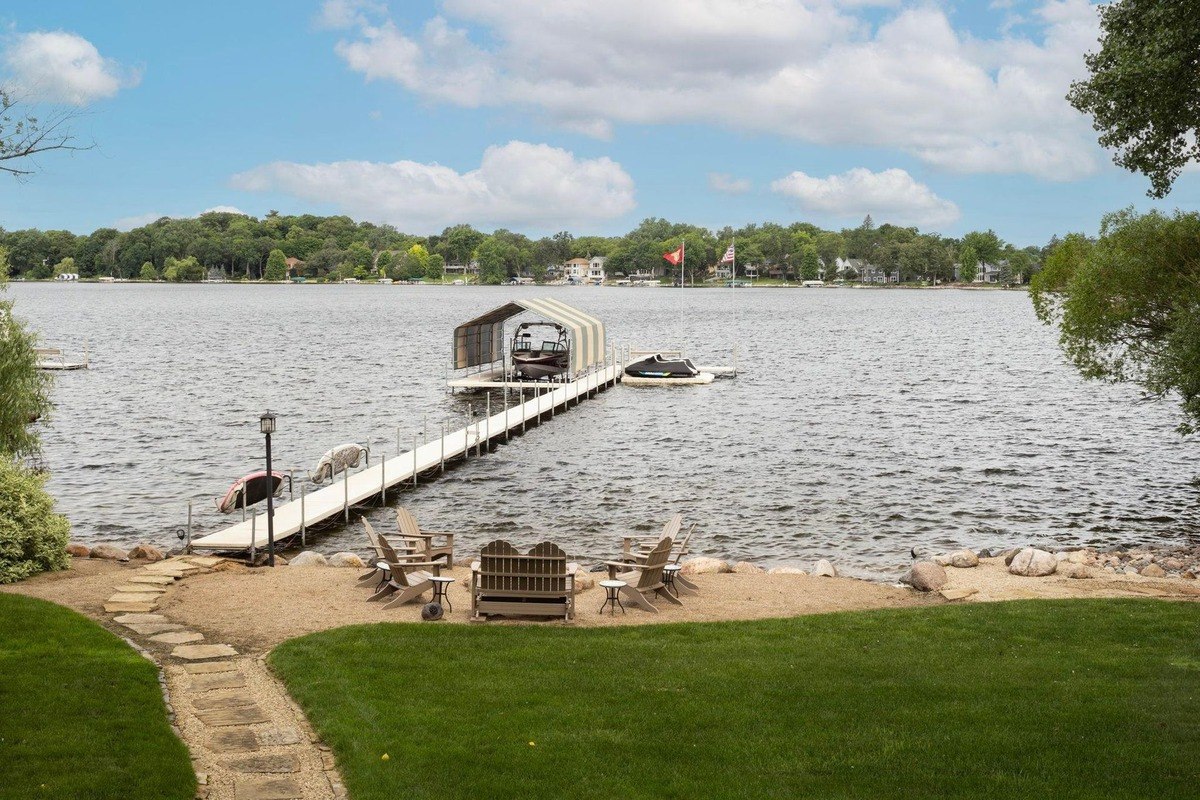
<point x="964" y="559"/>
<point x="704" y="566"/>
<point x="746" y="568"/>
<point x="825" y="569"/>
<point x="1009" y="555"/>
<point x="1080" y="557"/>
<point x="346" y="560"/>
<point x="146" y="552"/>
<point x="1033" y="563"/>
<point x="1153" y="571"/>
<point x="1070" y="569"/>
<point x="926" y="576"/>
<point x="78" y="550"/>
<point x="583" y="581"/>
<point x="786" y="571"/>
<point x="985" y="553"/>
<point x="109" y="552"/>
<point x="942" y="560"/>
<point x="1172" y="564"/>
<point x="309" y="558"/>
<point x="1189" y="576"/>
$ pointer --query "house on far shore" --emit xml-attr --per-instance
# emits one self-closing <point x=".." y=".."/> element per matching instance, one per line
<point x="862" y="271"/>
<point x="294" y="266"/>
<point x="471" y="268"/>
<point x="585" y="270"/>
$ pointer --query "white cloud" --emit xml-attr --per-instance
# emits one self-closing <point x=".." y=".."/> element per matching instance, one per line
<point x="516" y="184"/>
<point x="62" y="67"/>
<point x="816" y="70"/>
<point x="892" y="195"/>
<point x="727" y="184"/>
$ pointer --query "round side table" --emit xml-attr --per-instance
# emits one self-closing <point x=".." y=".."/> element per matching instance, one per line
<point x="439" y="591"/>
<point x="669" y="573"/>
<point x="612" y="599"/>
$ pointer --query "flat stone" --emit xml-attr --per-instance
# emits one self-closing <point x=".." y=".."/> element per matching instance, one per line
<point x="957" y="594"/>
<point x="328" y="762"/>
<point x="267" y="789"/>
<point x="205" y="561"/>
<point x="223" y="717"/>
<point x="265" y="762"/>
<point x="233" y="741"/>
<point x="203" y="652"/>
<point x="125" y="619"/>
<point x="218" y="680"/>
<point x="119" y="607"/>
<point x="163" y="572"/>
<point x="151" y="628"/>
<point x="178" y="637"/>
<point x="140" y="588"/>
<point x="205" y="667"/>
<point x="134" y="597"/>
<point x="157" y="580"/>
<point x="222" y="700"/>
<point x="279" y="735"/>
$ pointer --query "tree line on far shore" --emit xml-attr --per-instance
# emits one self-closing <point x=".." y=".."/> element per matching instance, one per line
<point x="241" y="247"/>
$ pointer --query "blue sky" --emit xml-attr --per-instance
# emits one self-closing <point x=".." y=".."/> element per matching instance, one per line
<point x="540" y="116"/>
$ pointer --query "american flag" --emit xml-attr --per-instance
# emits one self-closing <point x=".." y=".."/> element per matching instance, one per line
<point x="728" y="257"/>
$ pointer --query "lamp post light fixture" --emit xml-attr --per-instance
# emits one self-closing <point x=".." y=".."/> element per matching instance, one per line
<point x="266" y="424"/>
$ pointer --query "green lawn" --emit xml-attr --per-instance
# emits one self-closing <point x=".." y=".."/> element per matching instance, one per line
<point x="1030" y="699"/>
<point x="81" y="713"/>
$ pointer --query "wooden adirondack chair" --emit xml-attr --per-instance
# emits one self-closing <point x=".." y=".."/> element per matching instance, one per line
<point x="411" y="530"/>
<point x="537" y="583"/>
<point x="407" y="580"/>
<point x="645" y="580"/>
<point x="636" y="550"/>
<point x="407" y="549"/>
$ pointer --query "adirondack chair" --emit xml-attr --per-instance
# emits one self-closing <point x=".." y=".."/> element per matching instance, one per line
<point x="645" y="580"/>
<point x="404" y="548"/>
<point x="537" y="583"/>
<point x="411" y="530"/>
<point x="635" y="550"/>
<point x="407" y="580"/>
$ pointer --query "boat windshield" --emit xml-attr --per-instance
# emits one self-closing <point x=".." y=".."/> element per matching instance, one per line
<point x="552" y="346"/>
<point x="522" y="344"/>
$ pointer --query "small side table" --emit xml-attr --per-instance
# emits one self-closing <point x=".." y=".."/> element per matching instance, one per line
<point x="439" y="590"/>
<point x="385" y="574"/>
<point x="669" y="573"/>
<point x="612" y="599"/>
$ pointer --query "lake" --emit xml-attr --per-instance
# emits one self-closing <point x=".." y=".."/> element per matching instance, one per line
<point x="863" y="421"/>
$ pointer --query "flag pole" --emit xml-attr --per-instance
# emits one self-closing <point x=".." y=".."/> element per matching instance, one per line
<point x="682" y="258"/>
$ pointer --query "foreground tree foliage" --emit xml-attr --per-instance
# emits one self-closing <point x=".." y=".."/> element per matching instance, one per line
<point x="1143" y="92"/>
<point x="1128" y="305"/>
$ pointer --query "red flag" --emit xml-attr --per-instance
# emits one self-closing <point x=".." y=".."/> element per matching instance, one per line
<point x="675" y="256"/>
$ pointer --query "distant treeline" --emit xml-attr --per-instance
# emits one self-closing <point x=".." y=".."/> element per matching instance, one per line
<point x="242" y="247"/>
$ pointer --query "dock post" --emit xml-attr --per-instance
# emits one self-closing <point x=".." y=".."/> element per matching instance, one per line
<point x="188" y="545"/>
<point x="487" y="426"/>
<point x="467" y="432"/>
<point x="445" y="433"/>
<point x="414" y="460"/>
<point x="303" y="519"/>
<point x="291" y="484"/>
<point x="383" y="480"/>
<point x="253" y="535"/>
<point x="243" y="503"/>
<point x="346" y="494"/>
<point x="522" y="402"/>
<point x="398" y="451"/>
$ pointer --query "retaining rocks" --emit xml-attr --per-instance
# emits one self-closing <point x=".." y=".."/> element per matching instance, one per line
<point x="1033" y="563"/>
<point x="309" y="558"/>
<point x="925" y="576"/>
<point x="108" y="551"/>
<point x="344" y="560"/>
<point x="704" y="566"/>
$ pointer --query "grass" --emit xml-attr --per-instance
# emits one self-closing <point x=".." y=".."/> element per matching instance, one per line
<point x="1032" y="699"/>
<point x="81" y="713"/>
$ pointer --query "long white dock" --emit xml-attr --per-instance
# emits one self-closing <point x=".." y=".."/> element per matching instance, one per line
<point x="355" y="489"/>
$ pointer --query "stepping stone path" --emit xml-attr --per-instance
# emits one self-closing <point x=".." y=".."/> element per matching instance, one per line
<point x="248" y="740"/>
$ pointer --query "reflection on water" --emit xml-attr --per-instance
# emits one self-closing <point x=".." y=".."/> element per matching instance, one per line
<point x="864" y="422"/>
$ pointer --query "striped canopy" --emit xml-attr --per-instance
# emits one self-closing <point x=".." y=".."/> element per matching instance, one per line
<point x="481" y="340"/>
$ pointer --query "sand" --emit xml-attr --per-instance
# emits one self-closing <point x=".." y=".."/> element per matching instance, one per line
<point x="256" y="609"/>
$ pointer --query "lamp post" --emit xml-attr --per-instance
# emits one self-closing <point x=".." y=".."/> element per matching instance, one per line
<point x="266" y="424"/>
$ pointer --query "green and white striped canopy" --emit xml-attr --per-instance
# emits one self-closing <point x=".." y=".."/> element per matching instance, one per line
<point x="481" y="340"/>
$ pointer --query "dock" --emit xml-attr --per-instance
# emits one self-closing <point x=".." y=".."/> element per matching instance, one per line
<point x="373" y="484"/>
<point x="53" y="358"/>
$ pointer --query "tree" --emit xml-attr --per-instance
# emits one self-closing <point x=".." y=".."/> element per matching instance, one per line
<point x="1126" y="305"/>
<point x="65" y="267"/>
<point x="25" y="389"/>
<point x="276" y="267"/>
<point x="436" y="268"/>
<point x="490" y="255"/>
<point x="148" y="273"/>
<point x="1143" y="92"/>
<point x="810" y="264"/>
<point x="383" y="264"/>
<point x="987" y="245"/>
<point x="830" y="247"/>
<point x="968" y="264"/>
<point x="23" y="136"/>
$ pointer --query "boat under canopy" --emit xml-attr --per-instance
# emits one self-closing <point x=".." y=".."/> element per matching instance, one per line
<point x="480" y="341"/>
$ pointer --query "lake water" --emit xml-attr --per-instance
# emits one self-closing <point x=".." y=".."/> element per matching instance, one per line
<point x="863" y="423"/>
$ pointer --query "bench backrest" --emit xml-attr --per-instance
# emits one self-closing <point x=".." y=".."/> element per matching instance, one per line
<point x="505" y="571"/>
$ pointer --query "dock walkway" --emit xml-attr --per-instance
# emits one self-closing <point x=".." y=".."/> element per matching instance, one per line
<point x="359" y="488"/>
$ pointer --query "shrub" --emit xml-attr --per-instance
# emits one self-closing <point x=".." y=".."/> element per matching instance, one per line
<point x="33" y="538"/>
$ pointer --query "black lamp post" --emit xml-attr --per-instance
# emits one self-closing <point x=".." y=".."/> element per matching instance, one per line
<point x="266" y="424"/>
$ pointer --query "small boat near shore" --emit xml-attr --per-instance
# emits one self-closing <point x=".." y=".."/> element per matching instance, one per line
<point x="251" y="489"/>
<point x="55" y="359"/>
